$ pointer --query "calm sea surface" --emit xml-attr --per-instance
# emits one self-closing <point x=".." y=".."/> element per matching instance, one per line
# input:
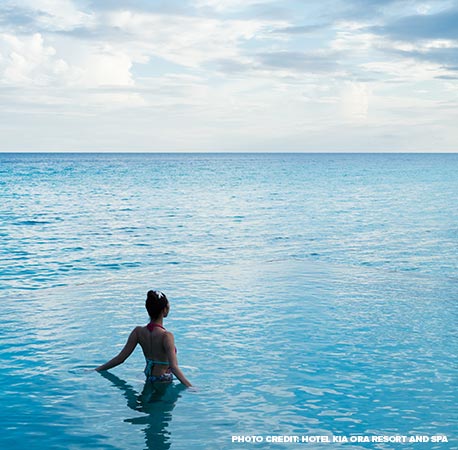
<point x="311" y="295"/>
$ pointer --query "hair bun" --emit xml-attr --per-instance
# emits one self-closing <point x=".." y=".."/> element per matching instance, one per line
<point x="155" y="295"/>
<point x="156" y="301"/>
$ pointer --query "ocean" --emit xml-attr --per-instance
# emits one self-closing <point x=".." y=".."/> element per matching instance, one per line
<point x="313" y="299"/>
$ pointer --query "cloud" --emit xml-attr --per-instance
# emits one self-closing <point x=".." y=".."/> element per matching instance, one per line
<point x="16" y="18"/>
<point x="447" y="57"/>
<point x="116" y="40"/>
<point x="231" y="66"/>
<point x="224" y="5"/>
<point x="379" y="51"/>
<point x="355" y="100"/>
<point x="312" y="62"/>
<point x="441" y="25"/>
<point x="103" y="52"/>
<point x="50" y="14"/>
<point x="27" y="60"/>
<point x="171" y="7"/>
<point x="300" y="29"/>
<point x="185" y="41"/>
<point x="227" y="71"/>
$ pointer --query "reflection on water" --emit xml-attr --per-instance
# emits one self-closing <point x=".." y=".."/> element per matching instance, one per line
<point x="156" y="401"/>
<point x="312" y="294"/>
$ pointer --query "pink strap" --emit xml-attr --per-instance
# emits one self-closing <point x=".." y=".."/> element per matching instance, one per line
<point x="151" y="326"/>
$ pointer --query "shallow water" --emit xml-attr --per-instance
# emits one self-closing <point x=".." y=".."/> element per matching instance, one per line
<point x="311" y="295"/>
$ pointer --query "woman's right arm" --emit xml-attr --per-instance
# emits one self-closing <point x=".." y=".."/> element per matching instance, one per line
<point x="169" y="344"/>
<point x="123" y="354"/>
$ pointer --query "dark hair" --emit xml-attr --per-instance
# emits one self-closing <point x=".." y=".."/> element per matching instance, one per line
<point x="156" y="301"/>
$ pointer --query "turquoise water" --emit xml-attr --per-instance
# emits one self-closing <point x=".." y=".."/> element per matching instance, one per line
<point x="310" y="294"/>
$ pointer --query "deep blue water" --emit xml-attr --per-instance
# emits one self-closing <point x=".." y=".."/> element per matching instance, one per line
<point x="312" y="294"/>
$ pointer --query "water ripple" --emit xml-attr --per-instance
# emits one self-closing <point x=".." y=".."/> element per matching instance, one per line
<point x="308" y="296"/>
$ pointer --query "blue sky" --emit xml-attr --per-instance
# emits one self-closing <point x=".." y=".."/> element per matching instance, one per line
<point x="229" y="75"/>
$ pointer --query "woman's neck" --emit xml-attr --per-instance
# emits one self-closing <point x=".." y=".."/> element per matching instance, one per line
<point x="158" y="321"/>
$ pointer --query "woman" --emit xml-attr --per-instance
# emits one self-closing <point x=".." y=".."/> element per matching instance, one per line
<point x="157" y="344"/>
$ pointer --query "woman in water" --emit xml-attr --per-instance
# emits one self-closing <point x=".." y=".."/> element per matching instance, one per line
<point x="157" y="344"/>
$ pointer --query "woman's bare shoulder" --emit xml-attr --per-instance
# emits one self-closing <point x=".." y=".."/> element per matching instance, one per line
<point x="139" y="330"/>
<point x="168" y="337"/>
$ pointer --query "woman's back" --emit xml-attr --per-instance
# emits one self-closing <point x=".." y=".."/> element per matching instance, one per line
<point x="152" y="342"/>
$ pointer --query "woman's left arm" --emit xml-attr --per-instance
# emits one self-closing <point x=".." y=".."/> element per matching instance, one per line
<point x="131" y="343"/>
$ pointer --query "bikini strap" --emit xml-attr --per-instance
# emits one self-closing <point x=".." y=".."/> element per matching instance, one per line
<point x="151" y="326"/>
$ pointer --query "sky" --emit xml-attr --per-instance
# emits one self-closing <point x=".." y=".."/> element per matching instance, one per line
<point x="228" y="76"/>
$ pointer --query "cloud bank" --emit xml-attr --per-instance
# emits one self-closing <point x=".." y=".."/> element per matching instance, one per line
<point x="228" y="75"/>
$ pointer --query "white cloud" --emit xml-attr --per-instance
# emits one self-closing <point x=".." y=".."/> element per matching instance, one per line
<point x="55" y="14"/>
<point x="405" y="70"/>
<point x="225" y="5"/>
<point x="29" y="61"/>
<point x="106" y="68"/>
<point x="355" y="101"/>
<point x="204" y="73"/>
<point x="187" y="41"/>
